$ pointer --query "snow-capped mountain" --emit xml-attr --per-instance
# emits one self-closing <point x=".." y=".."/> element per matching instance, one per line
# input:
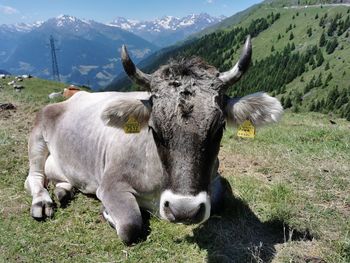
<point x="168" y="29"/>
<point x="20" y="27"/>
<point x="88" y="51"/>
<point x="9" y="35"/>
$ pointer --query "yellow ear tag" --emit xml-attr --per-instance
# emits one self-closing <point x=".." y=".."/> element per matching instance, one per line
<point x="132" y="126"/>
<point x="246" y="130"/>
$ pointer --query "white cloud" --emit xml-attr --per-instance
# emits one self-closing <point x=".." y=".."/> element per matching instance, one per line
<point x="8" y="10"/>
<point x="210" y="1"/>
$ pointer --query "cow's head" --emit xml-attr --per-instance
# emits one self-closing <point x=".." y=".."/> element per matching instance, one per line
<point x="186" y="112"/>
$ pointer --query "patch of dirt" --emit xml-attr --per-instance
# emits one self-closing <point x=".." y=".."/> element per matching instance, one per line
<point x="300" y="252"/>
<point x="239" y="164"/>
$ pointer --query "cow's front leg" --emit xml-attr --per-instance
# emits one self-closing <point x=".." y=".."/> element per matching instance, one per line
<point x="219" y="188"/>
<point x="123" y="212"/>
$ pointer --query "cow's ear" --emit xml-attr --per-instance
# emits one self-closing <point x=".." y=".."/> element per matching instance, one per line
<point x="118" y="112"/>
<point x="259" y="108"/>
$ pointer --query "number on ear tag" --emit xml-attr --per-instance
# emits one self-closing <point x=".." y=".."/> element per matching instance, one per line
<point x="132" y="126"/>
<point x="246" y="130"/>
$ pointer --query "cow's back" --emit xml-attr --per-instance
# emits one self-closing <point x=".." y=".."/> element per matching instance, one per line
<point x="84" y="147"/>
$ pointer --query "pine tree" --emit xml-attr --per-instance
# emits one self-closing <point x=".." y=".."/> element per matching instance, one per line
<point x="292" y="47"/>
<point x="312" y="61"/>
<point x="331" y="46"/>
<point x="332" y="27"/>
<point x="331" y="98"/>
<point x="319" y="58"/>
<point x="322" y="22"/>
<point x="312" y="106"/>
<point x="327" y="66"/>
<point x="347" y="114"/>
<point x="289" y="28"/>
<point x="323" y="40"/>
<point x="329" y="78"/>
<point x="298" y="98"/>
<point x="307" y="88"/>
<point x="317" y="106"/>
<point x="309" y="32"/>
<point x="282" y="100"/>
<point x="318" y="82"/>
<point x="312" y="82"/>
<point x="316" y="17"/>
<point x="291" y="36"/>
<point x="287" y="103"/>
<point x="342" y="100"/>
<point x="272" y="48"/>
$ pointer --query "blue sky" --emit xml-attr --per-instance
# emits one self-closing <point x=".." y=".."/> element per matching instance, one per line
<point x="16" y="11"/>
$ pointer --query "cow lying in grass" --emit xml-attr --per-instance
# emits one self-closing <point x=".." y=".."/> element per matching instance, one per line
<point x="169" y="166"/>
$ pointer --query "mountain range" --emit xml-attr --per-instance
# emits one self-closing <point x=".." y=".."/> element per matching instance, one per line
<point x="88" y="52"/>
<point x="167" y="30"/>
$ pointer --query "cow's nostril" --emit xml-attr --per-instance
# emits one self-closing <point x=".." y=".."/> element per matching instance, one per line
<point x="166" y="204"/>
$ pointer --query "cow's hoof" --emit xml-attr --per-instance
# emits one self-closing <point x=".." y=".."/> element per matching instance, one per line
<point x="63" y="196"/>
<point x="108" y="218"/>
<point x="130" y="234"/>
<point x="42" y="209"/>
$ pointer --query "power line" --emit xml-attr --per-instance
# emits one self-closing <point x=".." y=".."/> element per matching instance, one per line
<point x="55" y="72"/>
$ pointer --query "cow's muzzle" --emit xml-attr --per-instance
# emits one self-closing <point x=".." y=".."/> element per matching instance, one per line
<point x="185" y="209"/>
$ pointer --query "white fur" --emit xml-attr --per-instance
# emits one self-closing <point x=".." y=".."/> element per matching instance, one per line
<point x="190" y="201"/>
<point x="259" y="108"/>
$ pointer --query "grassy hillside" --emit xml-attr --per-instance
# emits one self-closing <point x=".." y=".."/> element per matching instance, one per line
<point x="306" y="32"/>
<point x="288" y="56"/>
<point x="290" y="204"/>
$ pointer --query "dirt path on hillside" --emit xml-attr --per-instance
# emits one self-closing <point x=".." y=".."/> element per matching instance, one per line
<point x="319" y="5"/>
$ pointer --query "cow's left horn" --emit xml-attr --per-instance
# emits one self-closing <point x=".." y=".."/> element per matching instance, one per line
<point x="234" y="74"/>
<point x="140" y="78"/>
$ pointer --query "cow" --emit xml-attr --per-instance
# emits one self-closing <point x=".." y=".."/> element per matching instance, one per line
<point x="70" y="91"/>
<point x="168" y="165"/>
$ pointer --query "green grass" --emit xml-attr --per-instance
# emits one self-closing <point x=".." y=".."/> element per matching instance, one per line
<point x="291" y="199"/>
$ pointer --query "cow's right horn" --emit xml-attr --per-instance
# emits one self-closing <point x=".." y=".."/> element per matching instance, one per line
<point x="140" y="78"/>
<point x="234" y="74"/>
